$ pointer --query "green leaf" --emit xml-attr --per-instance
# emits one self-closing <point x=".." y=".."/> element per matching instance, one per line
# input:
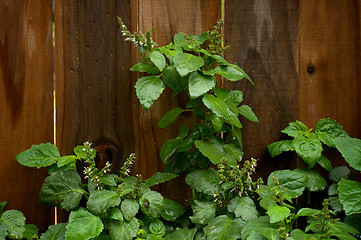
<point x="145" y="67"/>
<point x="335" y="204"/>
<point x="100" y="201"/>
<point x="206" y="181"/>
<point x="309" y="149"/>
<point x="152" y="204"/>
<point x="315" y="181"/>
<point x="278" y="213"/>
<point x="332" y="190"/>
<point x="217" y="122"/>
<point x="157" y="227"/>
<point x="168" y="149"/>
<point x="294" y="182"/>
<point x="123" y="230"/>
<point x="82" y="153"/>
<point x="307" y="212"/>
<point x="233" y="154"/>
<point x="178" y="163"/>
<point x="30" y="231"/>
<point x="203" y="211"/>
<point x="171" y="210"/>
<point x="232" y="72"/>
<point x="350" y="196"/>
<point x="158" y="178"/>
<point x="55" y="232"/>
<point x="158" y="59"/>
<point x="223" y="227"/>
<point x="109" y="179"/>
<point x="328" y="129"/>
<point x="65" y="160"/>
<point x="183" y="131"/>
<point x="129" y="208"/>
<point x="13" y="222"/>
<point x="295" y="129"/>
<point x="115" y="214"/>
<point x="181" y="234"/>
<point x="209" y="150"/>
<point x="325" y="163"/>
<point x="262" y="226"/>
<point x="247" y="112"/>
<point x="169" y="117"/>
<point x="235" y="96"/>
<point x="186" y="63"/>
<point x="354" y="220"/>
<point x="199" y="83"/>
<point x="2" y="206"/>
<point x="350" y="148"/>
<point x="277" y="148"/>
<point x="42" y="155"/>
<point x="243" y="207"/>
<point x="221" y="109"/>
<point x="301" y="235"/>
<point x="339" y="173"/>
<point x="172" y="79"/>
<point x="148" y="89"/>
<point x="83" y="225"/>
<point x="62" y="187"/>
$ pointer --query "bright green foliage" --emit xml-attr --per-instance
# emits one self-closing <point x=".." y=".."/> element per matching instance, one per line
<point x="123" y="230"/>
<point x="243" y="207"/>
<point x="293" y="182"/>
<point x="182" y="233"/>
<point x="152" y="203"/>
<point x="169" y="117"/>
<point x="158" y="178"/>
<point x="351" y="151"/>
<point x="278" y="213"/>
<point x="83" y="225"/>
<point x="206" y="181"/>
<point x="55" y="232"/>
<point x="129" y="208"/>
<point x="38" y="156"/>
<point x="12" y="224"/>
<point x="223" y="227"/>
<point x="171" y="210"/>
<point x="148" y="89"/>
<point x="100" y="201"/>
<point x="203" y="211"/>
<point x="350" y="196"/>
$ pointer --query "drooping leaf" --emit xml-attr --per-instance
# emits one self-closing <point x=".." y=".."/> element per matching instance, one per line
<point x="30" y="231"/>
<point x="168" y="149"/>
<point x="203" y="211"/>
<point x="277" y="148"/>
<point x="328" y="129"/>
<point x="151" y="204"/>
<point x="145" y="67"/>
<point x="232" y="72"/>
<point x="199" y="83"/>
<point x="169" y="117"/>
<point x="148" y="89"/>
<point x="181" y="233"/>
<point x="123" y="230"/>
<point x="339" y="173"/>
<point x="62" y="188"/>
<point x="209" y="150"/>
<point x="186" y="63"/>
<point x="308" y="148"/>
<point x="158" y="59"/>
<point x="223" y="227"/>
<point x="159" y="177"/>
<point x="65" y="160"/>
<point x="129" y="208"/>
<point x="206" y="181"/>
<point x="100" y="201"/>
<point x="350" y="196"/>
<point x="294" y="182"/>
<point x="42" y="155"/>
<point x="178" y="163"/>
<point x="13" y="222"/>
<point x="248" y="113"/>
<point x="350" y="148"/>
<point x="295" y="129"/>
<point x="172" y="79"/>
<point x="325" y="163"/>
<point x="55" y="232"/>
<point x="83" y="225"/>
<point x="2" y="206"/>
<point x="243" y="207"/>
<point x="262" y="226"/>
<point x="278" y="213"/>
<point x="307" y="212"/>
<point x="216" y="121"/>
<point x="315" y="181"/>
<point x="171" y="210"/>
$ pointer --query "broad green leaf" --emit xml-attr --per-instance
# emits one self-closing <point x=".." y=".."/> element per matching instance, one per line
<point x="248" y="113"/>
<point x="295" y="129"/>
<point x="267" y="201"/>
<point x="145" y="67"/>
<point x="343" y="236"/>
<point x="186" y="63"/>
<point x="278" y="213"/>
<point x="350" y="148"/>
<point x="152" y="203"/>
<point x="339" y="173"/>
<point x="216" y="121"/>
<point x="42" y="155"/>
<point x="115" y="214"/>
<point x="55" y="232"/>
<point x="235" y="96"/>
<point x="307" y="212"/>
<point x="221" y="109"/>
<point x="158" y="59"/>
<point x="315" y="181"/>
<point x="83" y="225"/>
<point x="123" y="230"/>
<point x="292" y="181"/>
<point x="178" y="163"/>
<point x="243" y="207"/>
<point x="261" y="223"/>
<point x="203" y="211"/>
<point x="277" y="148"/>
<point x="354" y="220"/>
<point x="171" y="210"/>
<point x="148" y="89"/>
<point x="223" y="227"/>
<point x="109" y="179"/>
<point x="222" y="93"/>
<point x="301" y="235"/>
<point x="158" y="178"/>
<point x="157" y="227"/>
<point x="231" y="72"/>
<point x="325" y="163"/>
<point x="65" y="160"/>
<point x="129" y="208"/>
<point x="209" y="150"/>
<point x="328" y="129"/>
<point x="350" y="196"/>
<point x="169" y="117"/>
<point x="335" y="204"/>
<point x="308" y="148"/>
<point x="100" y="201"/>
<point x="181" y="234"/>
<point x="168" y="149"/>
<point x="172" y="79"/>
<point x="233" y="154"/>
<point x="342" y="227"/>
<point x="206" y="181"/>
<point x="199" y="83"/>
<point x="62" y="188"/>
<point x="30" y="231"/>
<point x="14" y="223"/>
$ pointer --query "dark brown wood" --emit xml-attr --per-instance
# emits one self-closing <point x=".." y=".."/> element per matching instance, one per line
<point x="26" y="101"/>
<point x="264" y="40"/>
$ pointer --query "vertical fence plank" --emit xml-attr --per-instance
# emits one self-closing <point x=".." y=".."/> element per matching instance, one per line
<point x="93" y="85"/>
<point x="264" y="40"/>
<point x="170" y="17"/>
<point x="331" y="43"/>
<point x="26" y="101"/>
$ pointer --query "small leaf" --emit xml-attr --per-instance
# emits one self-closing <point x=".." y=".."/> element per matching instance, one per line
<point x="325" y="163"/>
<point x="247" y="112"/>
<point x="181" y="233"/>
<point x="231" y="72"/>
<point x="186" y="63"/>
<point x="243" y="207"/>
<point x="206" y="181"/>
<point x="168" y="149"/>
<point x="30" y="231"/>
<point x="171" y="210"/>
<point x="157" y="227"/>
<point x="158" y="59"/>
<point x="115" y="214"/>
<point x="148" y="89"/>
<point x="209" y="150"/>
<point x="129" y="208"/>
<point x="203" y="211"/>
<point x="13" y="222"/>
<point x="350" y="196"/>
<point x="235" y="96"/>
<point x="65" y="160"/>
<point x="145" y="67"/>
<point x="335" y="204"/>
<point x="83" y="225"/>
<point x="278" y="213"/>
<point x="100" y="201"/>
<point x="42" y="155"/>
<point x="277" y="148"/>
<point x="158" y="178"/>
<point x="350" y="148"/>
<point x="169" y="117"/>
<point x="123" y="230"/>
<point x="199" y="83"/>
<point x="55" y="232"/>
<point x="295" y="129"/>
<point x="339" y="173"/>
<point x="223" y="227"/>
<point x="152" y="204"/>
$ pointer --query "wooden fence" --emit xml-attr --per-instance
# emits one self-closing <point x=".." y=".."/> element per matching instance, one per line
<point x="303" y="55"/>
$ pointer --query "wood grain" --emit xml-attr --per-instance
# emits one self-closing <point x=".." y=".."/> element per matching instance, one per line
<point x="26" y="101"/>
<point x="264" y="40"/>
